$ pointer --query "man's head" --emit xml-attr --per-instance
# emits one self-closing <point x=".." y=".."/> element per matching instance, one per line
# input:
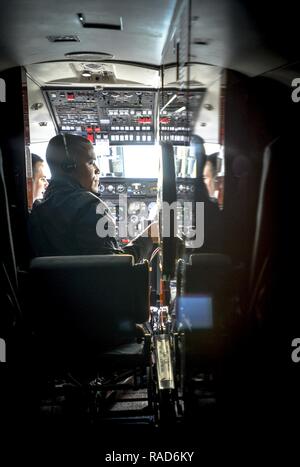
<point x="210" y="173"/>
<point x="74" y="156"/>
<point x="40" y="182"/>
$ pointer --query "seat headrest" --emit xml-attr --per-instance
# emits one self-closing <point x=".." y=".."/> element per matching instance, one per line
<point x="82" y="261"/>
<point x="210" y="259"/>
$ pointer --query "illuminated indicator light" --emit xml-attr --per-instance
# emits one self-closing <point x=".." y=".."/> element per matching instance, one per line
<point x="144" y="120"/>
<point x="91" y="138"/>
<point x="70" y="96"/>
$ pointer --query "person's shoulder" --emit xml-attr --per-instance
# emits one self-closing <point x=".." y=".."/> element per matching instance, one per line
<point x="85" y="197"/>
<point x="83" y="204"/>
<point x="37" y="205"/>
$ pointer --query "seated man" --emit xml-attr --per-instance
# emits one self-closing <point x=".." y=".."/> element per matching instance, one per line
<point x="66" y="221"/>
<point x="213" y="218"/>
<point x="210" y="173"/>
<point x="39" y="178"/>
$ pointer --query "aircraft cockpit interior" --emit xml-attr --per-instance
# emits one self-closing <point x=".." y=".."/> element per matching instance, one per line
<point x="147" y="227"/>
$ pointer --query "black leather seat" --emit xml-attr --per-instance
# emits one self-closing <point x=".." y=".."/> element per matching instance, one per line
<point x="84" y="309"/>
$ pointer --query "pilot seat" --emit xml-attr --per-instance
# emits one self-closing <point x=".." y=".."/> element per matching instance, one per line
<point x="84" y="312"/>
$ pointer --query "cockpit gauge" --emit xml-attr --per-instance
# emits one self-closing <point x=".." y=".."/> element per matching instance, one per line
<point x="134" y="207"/>
<point x="120" y="188"/>
<point x="134" y="219"/>
<point x="110" y="188"/>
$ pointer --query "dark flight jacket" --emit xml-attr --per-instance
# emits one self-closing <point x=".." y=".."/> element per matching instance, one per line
<point x="64" y="223"/>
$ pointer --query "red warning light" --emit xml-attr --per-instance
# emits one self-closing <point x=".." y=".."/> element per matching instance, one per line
<point x="144" y="120"/>
<point x="125" y="240"/>
<point x="70" y="96"/>
<point x="164" y="119"/>
<point x="91" y="138"/>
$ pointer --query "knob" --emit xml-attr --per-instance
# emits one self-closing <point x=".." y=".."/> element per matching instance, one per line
<point x="120" y="188"/>
<point x="134" y="219"/>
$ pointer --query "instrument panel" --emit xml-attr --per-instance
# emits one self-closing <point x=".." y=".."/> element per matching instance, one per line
<point x="177" y="108"/>
<point x="124" y="116"/>
<point x="120" y="116"/>
<point x="135" y="201"/>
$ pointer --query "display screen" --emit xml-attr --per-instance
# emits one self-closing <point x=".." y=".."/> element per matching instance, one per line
<point x="195" y="312"/>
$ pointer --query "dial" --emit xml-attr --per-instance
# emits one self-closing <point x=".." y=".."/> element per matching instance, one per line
<point x="133" y="207"/>
<point x="120" y="188"/>
<point x="134" y="219"/>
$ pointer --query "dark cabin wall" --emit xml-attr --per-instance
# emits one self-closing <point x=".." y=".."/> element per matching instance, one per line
<point x="12" y="141"/>
<point x="257" y="110"/>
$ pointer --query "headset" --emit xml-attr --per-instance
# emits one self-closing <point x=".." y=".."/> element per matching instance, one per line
<point x="69" y="164"/>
